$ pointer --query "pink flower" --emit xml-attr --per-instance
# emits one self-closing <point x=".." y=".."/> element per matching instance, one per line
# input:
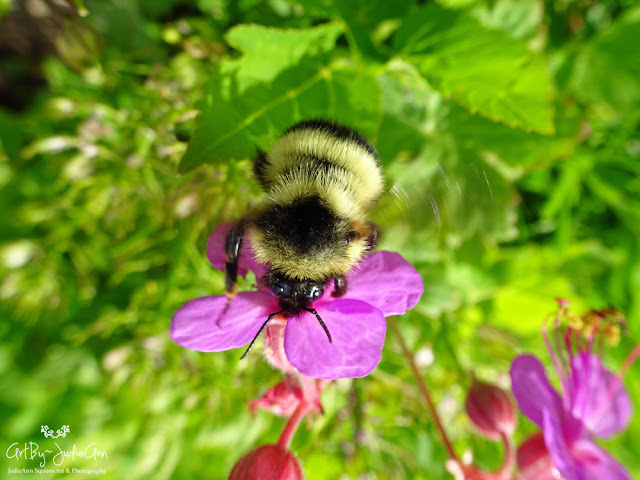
<point x="281" y="400"/>
<point x="382" y="284"/>
<point x="593" y="402"/>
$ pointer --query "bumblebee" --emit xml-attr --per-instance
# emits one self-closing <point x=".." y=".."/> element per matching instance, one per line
<point x="310" y="226"/>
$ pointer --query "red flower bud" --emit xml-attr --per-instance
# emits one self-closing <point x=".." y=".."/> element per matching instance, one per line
<point x="267" y="462"/>
<point x="491" y="410"/>
<point x="533" y="460"/>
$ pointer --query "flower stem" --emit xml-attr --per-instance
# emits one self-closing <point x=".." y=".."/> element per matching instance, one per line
<point x="631" y="358"/>
<point x="292" y="424"/>
<point x="423" y="387"/>
<point x="509" y="458"/>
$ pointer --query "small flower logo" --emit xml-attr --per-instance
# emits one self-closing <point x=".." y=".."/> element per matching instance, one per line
<point x="61" y="432"/>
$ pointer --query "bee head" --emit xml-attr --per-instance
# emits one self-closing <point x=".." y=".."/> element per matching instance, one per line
<point x="294" y="295"/>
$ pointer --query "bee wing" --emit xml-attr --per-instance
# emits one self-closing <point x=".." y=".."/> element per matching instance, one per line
<point x="451" y="198"/>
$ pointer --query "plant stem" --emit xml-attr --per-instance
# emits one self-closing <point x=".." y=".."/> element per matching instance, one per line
<point x="509" y="458"/>
<point x="423" y="387"/>
<point x="292" y="424"/>
<point x="631" y="358"/>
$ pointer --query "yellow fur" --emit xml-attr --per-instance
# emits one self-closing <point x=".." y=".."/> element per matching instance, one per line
<point x="348" y="181"/>
<point x="293" y="146"/>
<point x="315" y="265"/>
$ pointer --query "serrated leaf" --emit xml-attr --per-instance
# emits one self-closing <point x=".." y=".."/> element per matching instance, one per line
<point x="484" y="70"/>
<point x="519" y="18"/>
<point x="518" y="150"/>
<point x="250" y="101"/>
<point x="269" y="51"/>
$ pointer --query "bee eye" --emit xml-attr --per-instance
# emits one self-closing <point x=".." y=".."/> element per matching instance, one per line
<point x="315" y="291"/>
<point x="351" y="236"/>
<point x="281" y="289"/>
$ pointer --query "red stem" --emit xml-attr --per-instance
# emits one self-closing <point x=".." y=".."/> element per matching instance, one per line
<point x="423" y="388"/>
<point x="292" y="424"/>
<point x="631" y="358"/>
<point x="509" y="458"/>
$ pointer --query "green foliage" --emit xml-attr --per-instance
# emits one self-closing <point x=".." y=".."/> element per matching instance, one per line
<point x="509" y="135"/>
<point x="252" y="100"/>
<point x="484" y="70"/>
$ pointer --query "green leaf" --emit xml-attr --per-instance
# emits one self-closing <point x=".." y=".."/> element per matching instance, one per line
<point x="251" y="101"/>
<point x="484" y="70"/>
<point x="10" y="136"/>
<point x="5" y="7"/>
<point x="519" y="18"/>
<point x="517" y="150"/>
<point x="608" y="69"/>
<point x="363" y="17"/>
<point x="534" y="277"/>
<point x="267" y="52"/>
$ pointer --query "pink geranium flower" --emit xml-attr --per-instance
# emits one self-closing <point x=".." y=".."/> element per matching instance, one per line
<point x="383" y="284"/>
<point x="593" y="403"/>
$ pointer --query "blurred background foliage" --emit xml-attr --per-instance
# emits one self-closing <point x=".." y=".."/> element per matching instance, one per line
<point x="510" y="135"/>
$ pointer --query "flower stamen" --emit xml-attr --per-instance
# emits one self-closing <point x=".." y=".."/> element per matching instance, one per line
<point x="552" y="353"/>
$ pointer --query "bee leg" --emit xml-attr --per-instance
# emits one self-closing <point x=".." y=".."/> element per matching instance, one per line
<point x="232" y="249"/>
<point x="373" y="235"/>
<point x="340" y="286"/>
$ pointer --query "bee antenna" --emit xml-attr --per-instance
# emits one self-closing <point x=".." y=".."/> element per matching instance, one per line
<point x="259" y="332"/>
<point x="324" y="327"/>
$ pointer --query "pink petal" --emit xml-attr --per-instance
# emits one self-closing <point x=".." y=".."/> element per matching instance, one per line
<point x="274" y="346"/>
<point x="281" y="400"/>
<point x="204" y="325"/>
<point x="595" y="463"/>
<point x="532" y="389"/>
<point x="386" y="281"/>
<point x="581" y="459"/>
<point x="215" y="252"/>
<point x="597" y="396"/>
<point x="358" y="330"/>
<point x="559" y="450"/>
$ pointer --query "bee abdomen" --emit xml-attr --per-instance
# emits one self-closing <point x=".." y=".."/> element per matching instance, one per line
<point x="320" y="153"/>
<point x="306" y="223"/>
